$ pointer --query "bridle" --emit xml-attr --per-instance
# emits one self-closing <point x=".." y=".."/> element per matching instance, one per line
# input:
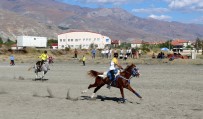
<point x="134" y="72"/>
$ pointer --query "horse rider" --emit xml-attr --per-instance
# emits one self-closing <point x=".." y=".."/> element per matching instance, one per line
<point x="43" y="58"/>
<point x="114" y="63"/>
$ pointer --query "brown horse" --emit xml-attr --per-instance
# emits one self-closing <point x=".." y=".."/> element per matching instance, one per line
<point x="177" y="56"/>
<point x="122" y="81"/>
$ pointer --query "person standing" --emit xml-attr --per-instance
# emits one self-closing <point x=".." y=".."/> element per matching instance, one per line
<point x="83" y="60"/>
<point x="12" y="60"/>
<point x="110" y="52"/>
<point x="93" y="53"/>
<point x="76" y="53"/>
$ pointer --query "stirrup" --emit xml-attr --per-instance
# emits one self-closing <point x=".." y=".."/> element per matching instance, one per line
<point x="108" y="86"/>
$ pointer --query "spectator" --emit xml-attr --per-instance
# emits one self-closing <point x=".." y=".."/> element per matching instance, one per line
<point x="83" y="60"/>
<point x="76" y="53"/>
<point x="12" y="60"/>
<point x="107" y="53"/>
<point x="93" y="53"/>
<point x="153" y="56"/>
<point x="103" y="53"/>
<point x="121" y="52"/>
<point x="110" y="53"/>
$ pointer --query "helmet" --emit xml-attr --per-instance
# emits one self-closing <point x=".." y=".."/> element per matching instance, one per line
<point x="45" y="52"/>
<point x="115" y="54"/>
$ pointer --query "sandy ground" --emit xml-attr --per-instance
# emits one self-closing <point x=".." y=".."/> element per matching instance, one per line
<point x="168" y="91"/>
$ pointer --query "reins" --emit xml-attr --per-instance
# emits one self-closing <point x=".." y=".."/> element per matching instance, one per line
<point x="128" y="73"/>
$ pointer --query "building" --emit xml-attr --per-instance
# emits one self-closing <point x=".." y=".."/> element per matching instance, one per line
<point x="179" y="45"/>
<point x="136" y="44"/>
<point x="54" y="46"/>
<point x="31" y="41"/>
<point x="82" y="40"/>
<point x="115" y="43"/>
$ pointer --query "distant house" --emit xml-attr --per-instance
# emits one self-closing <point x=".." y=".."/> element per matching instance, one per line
<point x="136" y="43"/>
<point x="179" y="44"/>
<point x="116" y="43"/>
<point x="14" y="47"/>
<point x="54" y="45"/>
<point x="82" y="40"/>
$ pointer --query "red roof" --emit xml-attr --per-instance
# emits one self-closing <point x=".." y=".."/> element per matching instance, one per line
<point x="14" y="45"/>
<point x="178" y="42"/>
<point x="137" y="42"/>
<point x="114" y="41"/>
<point x="54" y="44"/>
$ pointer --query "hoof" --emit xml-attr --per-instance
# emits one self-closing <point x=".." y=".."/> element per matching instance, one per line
<point x="122" y="100"/>
<point x="84" y="91"/>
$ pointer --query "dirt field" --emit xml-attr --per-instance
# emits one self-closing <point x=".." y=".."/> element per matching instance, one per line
<point x="168" y="91"/>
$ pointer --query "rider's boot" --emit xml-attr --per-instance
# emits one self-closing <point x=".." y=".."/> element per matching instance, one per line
<point x="109" y="85"/>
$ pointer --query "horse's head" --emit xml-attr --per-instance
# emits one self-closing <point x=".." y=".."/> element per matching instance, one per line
<point x="135" y="72"/>
<point x="132" y="70"/>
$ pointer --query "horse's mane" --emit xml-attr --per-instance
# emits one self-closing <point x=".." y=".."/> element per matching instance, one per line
<point x="94" y="73"/>
<point x="129" y="66"/>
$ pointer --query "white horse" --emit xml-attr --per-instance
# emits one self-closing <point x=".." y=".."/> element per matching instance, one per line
<point x="44" y="69"/>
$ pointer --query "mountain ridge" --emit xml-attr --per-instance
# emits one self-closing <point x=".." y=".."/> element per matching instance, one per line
<point x="54" y="17"/>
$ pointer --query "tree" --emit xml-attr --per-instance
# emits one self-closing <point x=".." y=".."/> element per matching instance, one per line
<point x="1" y="41"/>
<point x="9" y="42"/>
<point x="92" y="46"/>
<point x="49" y="42"/>
<point x="166" y="44"/>
<point x="145" y="47"/>
<point x="198" y="44"/>
<point x="125" y="45"/>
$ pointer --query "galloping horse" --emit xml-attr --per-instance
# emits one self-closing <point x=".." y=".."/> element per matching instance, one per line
<point x="44" y="69"/>
<point x="122" y="81"/>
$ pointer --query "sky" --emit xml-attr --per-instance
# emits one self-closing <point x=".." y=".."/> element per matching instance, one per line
<point x="185" y="11"/>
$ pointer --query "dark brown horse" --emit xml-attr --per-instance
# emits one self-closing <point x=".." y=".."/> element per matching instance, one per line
<point x="177" y="56"/>
<point x="122" y="81"/>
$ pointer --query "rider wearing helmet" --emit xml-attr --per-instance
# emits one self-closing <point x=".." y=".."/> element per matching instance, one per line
<point x="114" y="63"/>
<point x="43" y="58"/>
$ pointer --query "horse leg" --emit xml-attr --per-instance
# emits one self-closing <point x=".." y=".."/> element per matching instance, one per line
<point x="43" y="74"/>
<point x="91" y="85"/>
<point x="96" y="89"/>
<point x="36" y="74"/>
<point x="122" y="94"/>
<point x="132" y="90"/>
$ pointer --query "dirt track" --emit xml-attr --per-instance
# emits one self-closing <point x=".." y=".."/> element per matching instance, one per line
<point x="169" y="92"/>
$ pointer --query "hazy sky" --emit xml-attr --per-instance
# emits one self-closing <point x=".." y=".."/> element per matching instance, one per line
<point x="186" y="11"/>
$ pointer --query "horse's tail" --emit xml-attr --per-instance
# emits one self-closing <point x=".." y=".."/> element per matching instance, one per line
<point x="93" y="73"/>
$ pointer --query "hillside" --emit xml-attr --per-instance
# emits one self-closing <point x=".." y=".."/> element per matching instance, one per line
<point x="49" y="18"/>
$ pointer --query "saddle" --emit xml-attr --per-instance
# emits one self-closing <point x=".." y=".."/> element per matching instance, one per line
<point x="39" y="67"/>
<point x="107" y="74"/>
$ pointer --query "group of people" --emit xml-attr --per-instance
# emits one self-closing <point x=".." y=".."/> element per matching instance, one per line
<point x="161" y="55"/>
<point x="130" y="53"/>
<point x="106" y="53"/>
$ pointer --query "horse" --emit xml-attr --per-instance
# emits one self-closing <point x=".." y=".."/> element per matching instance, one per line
<point x="50" y="60"/>
<point x="177" y="56"/>
<point x="38" y="68"/>
<point x="122" y="81"/>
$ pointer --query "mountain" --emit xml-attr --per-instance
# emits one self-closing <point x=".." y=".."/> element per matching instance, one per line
<point x="50" y="17"/>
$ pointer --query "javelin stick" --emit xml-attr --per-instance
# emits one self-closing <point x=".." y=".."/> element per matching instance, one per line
<point x="30" y="67"/>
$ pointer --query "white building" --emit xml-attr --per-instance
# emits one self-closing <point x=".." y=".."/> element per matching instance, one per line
<point x="136" y="43"/>
<point x="31" y="41"/>
<point x="82" y="40"/>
